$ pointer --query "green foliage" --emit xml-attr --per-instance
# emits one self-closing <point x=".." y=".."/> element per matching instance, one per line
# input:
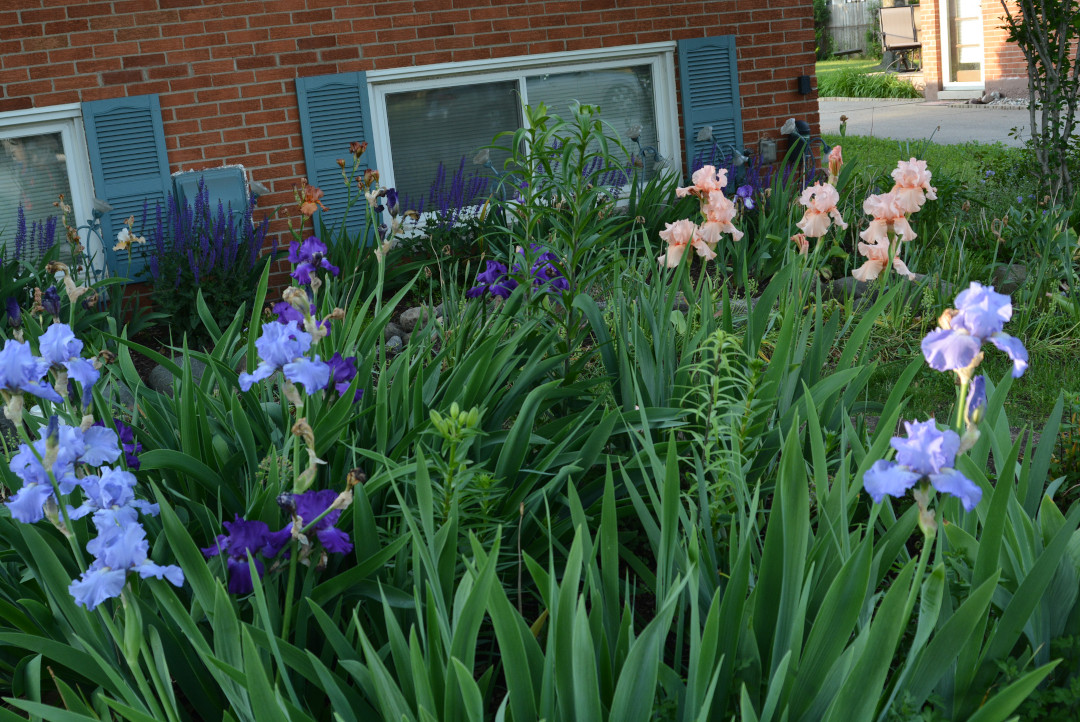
<point x="199" y="251"/>
<point x="855" y="83"/>
<point x="640" y="497"/>
<point x="822" y="39"/>
<point x="1046" y="34"/>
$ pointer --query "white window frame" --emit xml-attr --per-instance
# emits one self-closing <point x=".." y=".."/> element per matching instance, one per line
<point x="66" y="120"/>
<point x="660" y="57"/>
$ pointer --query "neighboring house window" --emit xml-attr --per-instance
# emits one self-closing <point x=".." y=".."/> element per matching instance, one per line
<point x="42" y="155"/>
<point x="441" y="114"/>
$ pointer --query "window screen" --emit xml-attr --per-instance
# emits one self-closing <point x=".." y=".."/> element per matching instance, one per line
<point x="440" y="126"/>
<point x="625" y="97"/>
<point x="33" y="174"/>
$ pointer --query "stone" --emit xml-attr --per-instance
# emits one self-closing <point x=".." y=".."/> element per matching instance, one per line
<point x="119" y="392"/>
<point x="1008" y="278"/>
<point x="161" y="378"/>
<point x="413" y="316"/>
<point x="841" y="288"/>
<point x="392" y="329"/>
<point x="394" y="345"/>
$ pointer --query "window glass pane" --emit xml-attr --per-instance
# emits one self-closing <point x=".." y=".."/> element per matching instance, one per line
<point x="625" y="97"/>
<point x="33" y="173"/>
<point x="447" y="126"/>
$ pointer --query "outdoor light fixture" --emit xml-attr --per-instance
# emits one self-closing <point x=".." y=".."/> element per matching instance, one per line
<point x="257" y="189"/>
<point x="738" y="157"/>
<point x="798" y="133"/>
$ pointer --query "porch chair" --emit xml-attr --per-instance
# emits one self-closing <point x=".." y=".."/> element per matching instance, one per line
<point x="898" y="33"/>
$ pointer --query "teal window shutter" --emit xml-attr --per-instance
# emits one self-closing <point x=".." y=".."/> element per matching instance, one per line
<point x="709" y="85"/>
<point x="130" y="169"/>
<point x="334" y="111"/>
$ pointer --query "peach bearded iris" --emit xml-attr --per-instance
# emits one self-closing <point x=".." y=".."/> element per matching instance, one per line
<point x="889" y="215"/>
<point x="877" y="258"/>
<point x="820" y="201"/>
<point x="719" y="212"/>
<point x="912" y="187"/>
<point x="836" y="161"/>
<point x="802" y="243"/>
<point x="311" y="201"/>
<point x="706" y="180"/>
<point x="679" y="236"/>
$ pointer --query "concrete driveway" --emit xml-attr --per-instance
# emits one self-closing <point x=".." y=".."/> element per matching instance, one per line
<point x="917" y="119"/>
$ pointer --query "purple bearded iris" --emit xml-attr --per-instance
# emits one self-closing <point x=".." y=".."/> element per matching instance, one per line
<point x="926" y="454"/>
<point x="342" y="372"/>
<point x="118" y="548"/>
<point x="62" y="349"/>
<point x="979" y="316"/>
<point x="494" y="279"/>
<point x="21" y="371"/>
<point x="14" y="313"/>
<point x="744" y="195"/>
<point x="50" y="301"/>
<point x="93" y="447"/>
<point x="128" y="443"/>
<point x="283" y="347"/>
<point x="308" y="506"/>
<point x="308" y="257"/>
<point x="545" y="273"/>
<point x="241" y="537"/>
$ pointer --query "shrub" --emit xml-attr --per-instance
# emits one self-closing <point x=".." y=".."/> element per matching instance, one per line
<point x="822" y="39"/>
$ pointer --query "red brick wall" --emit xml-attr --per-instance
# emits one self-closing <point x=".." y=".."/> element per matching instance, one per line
<point x="224" y="69"/>
<point x="930" y="37"/>
<point x="1006" y="68"/>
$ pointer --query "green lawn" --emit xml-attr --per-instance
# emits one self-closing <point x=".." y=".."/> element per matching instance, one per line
<point x="826" y="68"/>
<point x="856" y="78"/>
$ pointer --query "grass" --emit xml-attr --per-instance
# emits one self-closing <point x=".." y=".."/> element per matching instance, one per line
<point x="827" y="69"/>
<point x="854" y="79"/>
<point x="1030" y="399"/>
<point x="988" y="176"/>
<point x="957" y="243"/>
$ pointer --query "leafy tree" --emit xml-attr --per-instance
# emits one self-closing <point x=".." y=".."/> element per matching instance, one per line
<point x="822" y="15"/>
<point x="1046" y="31"/>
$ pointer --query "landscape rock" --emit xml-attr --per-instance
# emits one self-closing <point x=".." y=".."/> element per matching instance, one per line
<point x="119" y="392"/>
<point x="161" y="379"/>
<point x="394" y="345"/>
<point x="1010" y="277"/>
<point x="408" y="319"/>
<point x="392" y="329"/>
<point x="841" y="288"/>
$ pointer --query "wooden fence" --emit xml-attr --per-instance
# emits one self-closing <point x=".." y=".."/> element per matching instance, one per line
<point x="849" y="23"/>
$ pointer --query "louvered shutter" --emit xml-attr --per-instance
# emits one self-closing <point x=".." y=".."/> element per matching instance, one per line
<point x="334" y="111"/>
<point x="709" y="84"/>
<point x="126" y="142"/>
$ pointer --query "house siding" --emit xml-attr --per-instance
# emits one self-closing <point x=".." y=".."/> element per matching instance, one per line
<point x="1004" y="66"/>
<point x="224" y="71"/>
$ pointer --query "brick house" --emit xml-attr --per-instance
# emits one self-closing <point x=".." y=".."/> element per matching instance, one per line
<point x="965" y="52"/>
<point x="109" y="100"/>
